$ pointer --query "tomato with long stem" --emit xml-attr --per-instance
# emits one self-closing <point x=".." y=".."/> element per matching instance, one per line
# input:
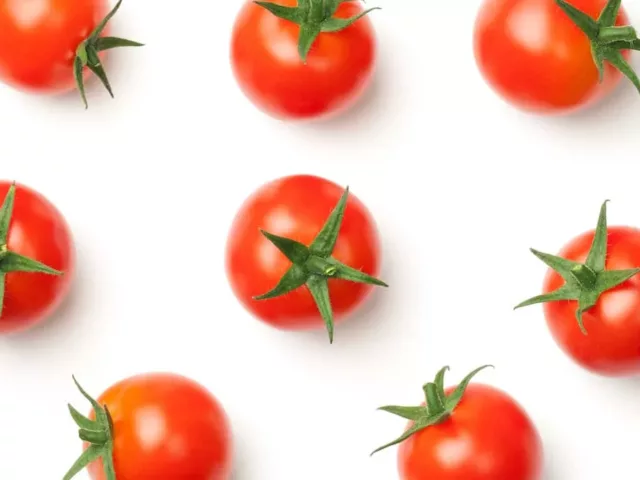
<point x="303" y="59"/>
<point x="552" y="56"/>
<point x="591" y="298"/>
<point x="51" y="46"/>
<point x="37" y="258"/>
<point x="291" y="265"/>
<point x="471" y="432"/>
<point x="154" y="426"/>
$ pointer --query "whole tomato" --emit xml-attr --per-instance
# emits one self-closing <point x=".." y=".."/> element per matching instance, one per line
<point x="297" y="65"/>
<point x="540" y="60"/>
<point x="591" y="297"/>
<point x="37" y="258"/>
<point x="290" y="265"/>
<point x="51" y="46"/>
<point x="154" y="426"/>
<point x="470" y="432"/>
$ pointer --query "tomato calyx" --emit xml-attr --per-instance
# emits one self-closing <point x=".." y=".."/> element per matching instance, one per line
<point x="87" y="54"/>
<point x="98" y="432"/>
<point x="584" y="282"/>
<point x="313" y="17"/>
<point x="437" y="408"/>
<point x="607" y="40"/>
<point x="313" y="266"/>
<point x="12" y="261"/>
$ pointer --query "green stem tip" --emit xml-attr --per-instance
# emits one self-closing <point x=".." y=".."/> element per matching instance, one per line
<point x="584" y="282"/>
<point x="438" y="406"/>
<point x="87" y="54"/>
<point x="313" y="266"/>
<point x="314" y="17"/>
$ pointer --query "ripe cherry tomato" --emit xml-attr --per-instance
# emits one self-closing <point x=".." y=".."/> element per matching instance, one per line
<point x="537" y="59"/>
<point x="164" y="426"/>
<point x="469" y="432"/>
<point x="38" y="41"/>
<point x="297" y="207"/>
<point x="37" y="233"/>
<point x="612" y="343"/>
<point x="269" y="69"/>
<point x="591" y="305"/>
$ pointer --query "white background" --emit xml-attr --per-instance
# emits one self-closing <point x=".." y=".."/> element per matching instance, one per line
<point x="461" y="185"/>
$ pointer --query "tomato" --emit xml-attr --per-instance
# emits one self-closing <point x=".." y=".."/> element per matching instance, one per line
<point x="39" y="42"/>
<point x="37" y="258"/>
<point x="609" y="341"/>
<point x="269" y="67"/>
<point x="296" y="207"/>
<point x="536" y="58"/>
<point x="486" y="436"/>
<point x="162" y="426"/>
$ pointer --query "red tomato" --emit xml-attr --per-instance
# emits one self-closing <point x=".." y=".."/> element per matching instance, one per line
<point x="38" y="231"/>
<point x="537" y="59"/>
<point x="488" y="437"/>
<point x="297" y="207"/>
<point x="38" y="41"/>
<point x="612" y="343"/>
<point x="269" y="70"/>
<point x="165" y="427"/>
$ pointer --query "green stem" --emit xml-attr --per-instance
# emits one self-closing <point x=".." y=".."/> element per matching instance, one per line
<point x="617" y="34"/>
<point x="585" y="276"/>
<point x="316" y="11"/>
<point x="320" y="266"/>
<point x="434" y="400"/>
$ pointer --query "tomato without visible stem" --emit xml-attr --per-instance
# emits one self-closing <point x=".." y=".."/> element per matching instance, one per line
<point x="268" y="67"/>
<point x="297" y="207"/>
<point x="488" y="437"/>
<point x="165" y="426"/>
<point x="467" y="432"/>
<point x="37" y="231"/>
<point x="537" y="59"/>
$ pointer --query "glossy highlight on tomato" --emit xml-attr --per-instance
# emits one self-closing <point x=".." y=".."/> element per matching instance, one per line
<point x="163" y="426"/>
<point x="533" y="55"/>
<point x="37" y="233"/>
<point x="266" y="62"/>
<point x="297" y="207"/>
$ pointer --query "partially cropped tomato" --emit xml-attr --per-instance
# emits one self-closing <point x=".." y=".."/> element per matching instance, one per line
<point x="36" y="258"/>
<point x="470" y="432"/>
<point x="155" y="426"/>
<point x="296" y="66"/>
<point x="539" y="60"/>
<point x="40" y="41"/>
<point x="591" y="299"/>
<point x="324" y="266"/>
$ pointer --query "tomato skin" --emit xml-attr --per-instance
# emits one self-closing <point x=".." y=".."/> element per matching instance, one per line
<point x="297" y="207"/>
<point x="38" y="231"/>
<point x="533" y="56"/>
<point x="166" y="426"/>
<point x="38" y="41"/>
<point x="268" y="68"/>
<point x="488" y="437"/>
<point x="612" y="345"/>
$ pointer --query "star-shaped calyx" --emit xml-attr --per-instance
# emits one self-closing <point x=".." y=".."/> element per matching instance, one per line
<point x="314" y="17"/>
<point x="608" y="41"/>
<point x="87" y="54"/>
<point x="584" y="282"/>
<point x="438" y="405"/>
<point x="98" y="433"/>
<point x="313" y="266"/>
<point x="12" y="261"/>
